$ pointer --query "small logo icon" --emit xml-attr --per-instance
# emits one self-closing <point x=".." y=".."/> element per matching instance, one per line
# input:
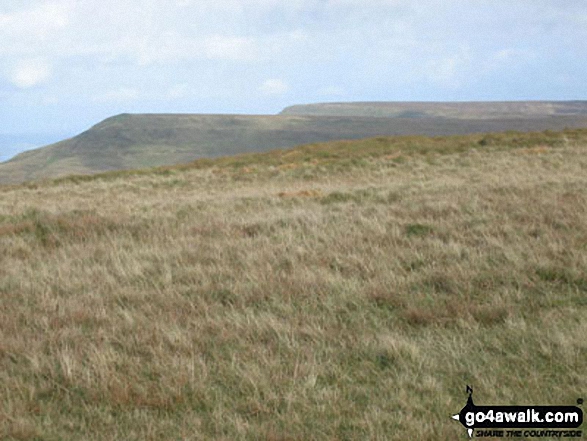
<point x="474" y="417"/>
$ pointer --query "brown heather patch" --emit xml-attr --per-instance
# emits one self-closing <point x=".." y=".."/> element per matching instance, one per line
<point x="18" y="228"/>
<point x="391" y="157"/>
<point x="288" y="166"/>
<point x="538" y="150"/>
<point x="331" y="301"/>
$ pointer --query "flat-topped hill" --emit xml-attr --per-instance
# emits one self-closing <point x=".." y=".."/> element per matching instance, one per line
<point x="461" y="110"/>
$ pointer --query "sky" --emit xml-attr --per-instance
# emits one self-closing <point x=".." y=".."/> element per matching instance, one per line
<point x="67" y="64"/>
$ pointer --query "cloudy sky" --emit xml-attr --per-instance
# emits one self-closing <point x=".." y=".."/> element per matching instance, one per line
<point x="67" y="64"/>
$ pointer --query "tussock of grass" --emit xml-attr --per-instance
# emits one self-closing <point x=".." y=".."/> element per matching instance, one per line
<point x="325" y="299"/>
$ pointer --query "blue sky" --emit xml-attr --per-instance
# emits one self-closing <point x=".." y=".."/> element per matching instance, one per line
<point x="67" y="64"/>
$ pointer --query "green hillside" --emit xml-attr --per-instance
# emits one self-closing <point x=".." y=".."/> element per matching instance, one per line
<point x="137" y="141"/>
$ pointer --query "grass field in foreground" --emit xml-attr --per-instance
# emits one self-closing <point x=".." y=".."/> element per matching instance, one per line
<point x="338" y="291"/>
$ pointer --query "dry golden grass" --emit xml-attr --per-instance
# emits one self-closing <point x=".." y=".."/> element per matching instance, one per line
<point x="325" y="300"/>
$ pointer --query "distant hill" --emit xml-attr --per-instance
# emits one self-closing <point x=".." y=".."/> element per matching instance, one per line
<point x="13" y="143"/>
<point x="461" y="110"/>
<point x="136" y="141"/>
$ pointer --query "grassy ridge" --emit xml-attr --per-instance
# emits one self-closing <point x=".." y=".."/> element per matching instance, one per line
<point x="138" y="141"/>
<point x="345" y="154"/>
<point x="335" y="291"/>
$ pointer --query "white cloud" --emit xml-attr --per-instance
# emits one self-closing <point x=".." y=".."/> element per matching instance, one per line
<point x="40" y="21"/>
<point x="173" y="47"/>
<point x="160" y="32"/>
<point x="29" y="73"/>
<point x="206" y="54"/>
<point x="274" y="86"/>
<point x="155" y="32"/>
